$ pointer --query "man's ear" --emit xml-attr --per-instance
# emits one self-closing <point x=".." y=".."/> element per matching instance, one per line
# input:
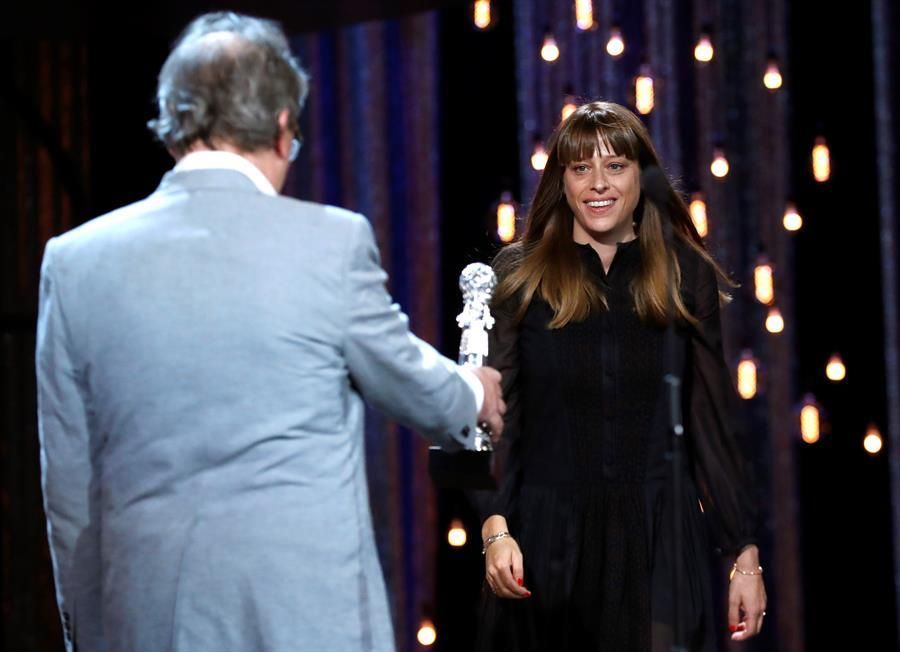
<point x="283" y="142"/>
<point x="283" y="118"/>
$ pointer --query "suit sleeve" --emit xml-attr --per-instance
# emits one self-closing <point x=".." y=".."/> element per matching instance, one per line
<point x="67" y="474"/>
<point x="394" y="370"/>
<point x="721" y="464"/>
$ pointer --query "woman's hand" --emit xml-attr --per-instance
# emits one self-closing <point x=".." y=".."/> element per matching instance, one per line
<point x="746" y="596"/>
<point x="503" y="564"/>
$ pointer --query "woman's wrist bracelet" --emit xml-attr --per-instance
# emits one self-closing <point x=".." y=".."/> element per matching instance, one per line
<point x="740" y="571"/>
<point x="492" y="539"/>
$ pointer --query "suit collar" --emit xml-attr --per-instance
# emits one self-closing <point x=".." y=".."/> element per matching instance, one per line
<point x="221" y="160"/>
<point x="207" y="179"/>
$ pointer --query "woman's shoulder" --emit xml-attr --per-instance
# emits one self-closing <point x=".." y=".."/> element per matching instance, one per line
<point x="508" y="259"/>
<point x="696" y="268"/>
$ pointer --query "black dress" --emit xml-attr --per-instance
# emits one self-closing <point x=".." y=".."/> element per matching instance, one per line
<point x="586" y="486"/>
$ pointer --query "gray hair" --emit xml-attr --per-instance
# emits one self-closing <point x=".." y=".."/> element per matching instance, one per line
<point x="226" y="80"/>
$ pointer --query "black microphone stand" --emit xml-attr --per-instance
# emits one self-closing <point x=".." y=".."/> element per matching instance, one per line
<point x="672" y="380"/>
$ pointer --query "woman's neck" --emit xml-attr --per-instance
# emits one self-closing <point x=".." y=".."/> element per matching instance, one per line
<point x="607" y="250"/>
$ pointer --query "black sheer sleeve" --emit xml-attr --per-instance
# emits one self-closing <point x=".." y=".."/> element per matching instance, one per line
<point x="503" y="355"/>
<point x="721" y="467"/>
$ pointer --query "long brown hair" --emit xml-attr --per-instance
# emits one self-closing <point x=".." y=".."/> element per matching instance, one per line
<point x="545" y="260"/>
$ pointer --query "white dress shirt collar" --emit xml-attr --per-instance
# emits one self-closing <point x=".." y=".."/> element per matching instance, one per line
<point x="219" y="160"/>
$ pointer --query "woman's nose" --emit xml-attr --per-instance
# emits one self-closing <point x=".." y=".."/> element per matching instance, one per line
<point x="599" y="182"/>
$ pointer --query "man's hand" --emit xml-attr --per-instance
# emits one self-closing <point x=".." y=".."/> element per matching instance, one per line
<point x="493" y="408"/>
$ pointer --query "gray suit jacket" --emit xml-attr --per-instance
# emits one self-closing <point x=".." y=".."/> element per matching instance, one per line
<point x="202" y="360"/>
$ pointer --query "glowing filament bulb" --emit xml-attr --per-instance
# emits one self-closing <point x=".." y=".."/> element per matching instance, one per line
<point x="643" y="91"/>
<point x="615" y="46"/>
<point x="792" y="220"/>
<point x="506" y="218"/>
<point x="821" y="160"/>
<point x="719" y="166"/>
<point x="456" y="535"/>
<point x="697" y="209"/>
<point x="872" y="441"/>
<point x="772" y="79"/>
<point x="774" y="321"/>
<point x="746" y="376"/>
<point x="584" y="14"/>
<point x="482" y="14"/>
<point x="539" y="156"/>
<point x="835" y="369"/>
<point x="763" y="282"/>
<point x="549" y="50"/>
<point x="704" y="51"/>
<point x="810" y="421"/>
<point x="426" y="634"/>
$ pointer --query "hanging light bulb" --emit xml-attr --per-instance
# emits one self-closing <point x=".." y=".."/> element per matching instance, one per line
<point x="426" y="635"/>
<point x="821" y="160"/>
<point x="643" y="91"/>
<point x="506" y="218"/>
<point x="746" y="375"/>
<point x="539" y="156"/>
<point x="456" y="535"/>
<point x="872" y="442"/>
<point x="697" y="209"/>
<point x="772" y="79"/>
<point x="774" y="321"/>
<point x="719" y="166"/>
<point x="482" y="14"/>
<point x="704" y="51"/>
<point x="569" y="105"/>
<point x="763" y="282"/>
<point x="792" y="220"/>
<point x="584" y="14"/>
<point x="810" y="420"/>
<point x="615" y="46"/>
<point x="549" y="50"/>
<point x="835" y="369"/>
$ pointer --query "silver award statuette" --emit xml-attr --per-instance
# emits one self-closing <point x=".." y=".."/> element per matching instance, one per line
<point x="477" y="283"/>
<point x="470" y="468"/>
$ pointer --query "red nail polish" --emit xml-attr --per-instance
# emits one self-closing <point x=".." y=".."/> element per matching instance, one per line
<point x="521" y="581"/>
<point x="528" y="595"/>
<point x="732" y="628"/>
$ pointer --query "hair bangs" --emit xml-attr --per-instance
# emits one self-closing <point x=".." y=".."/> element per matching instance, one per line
<point x="588" y="130"/>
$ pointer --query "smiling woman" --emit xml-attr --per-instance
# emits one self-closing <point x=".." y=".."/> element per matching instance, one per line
<point x="578" y="540"/>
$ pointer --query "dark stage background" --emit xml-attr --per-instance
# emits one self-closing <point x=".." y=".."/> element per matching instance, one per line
<point x="76" y="91"/>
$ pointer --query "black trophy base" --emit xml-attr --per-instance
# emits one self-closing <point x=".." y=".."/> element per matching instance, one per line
<point x="461" y="470"/>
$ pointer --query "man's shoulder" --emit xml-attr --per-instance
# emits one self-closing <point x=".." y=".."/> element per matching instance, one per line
<point x="324" y="212"/>
<point x="123" y="219"/>
<point x="107" y="224"/>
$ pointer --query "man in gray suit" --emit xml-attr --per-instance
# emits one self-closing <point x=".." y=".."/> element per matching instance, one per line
<point x="202" y="360"/>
